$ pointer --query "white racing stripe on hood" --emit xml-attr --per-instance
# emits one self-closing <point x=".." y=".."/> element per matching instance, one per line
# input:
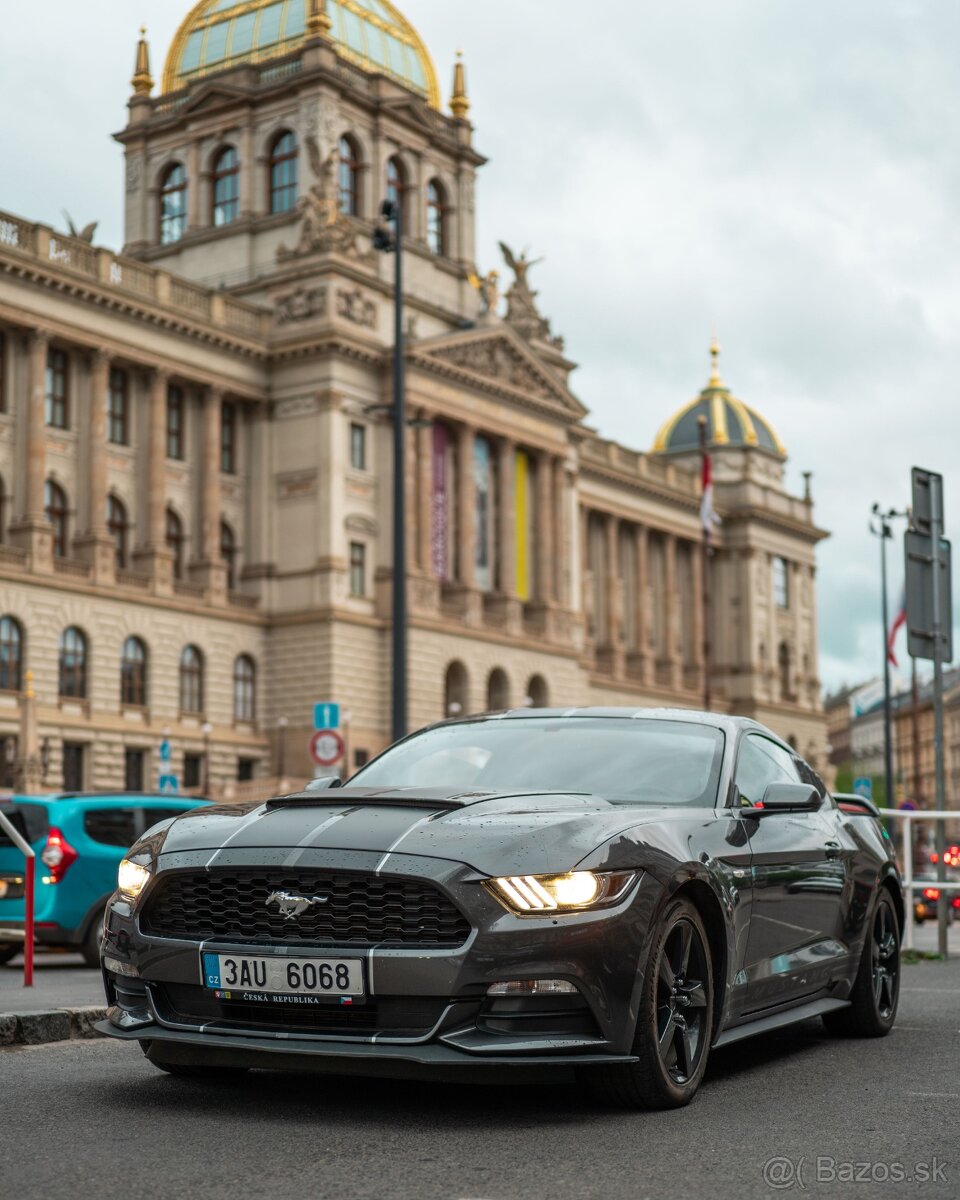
<point x="307" y="842"/>
<point x="406" y="833"/>
<point x="247" y="820"/>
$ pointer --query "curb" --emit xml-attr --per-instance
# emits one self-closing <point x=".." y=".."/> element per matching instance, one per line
<point x="36" y="1026"/>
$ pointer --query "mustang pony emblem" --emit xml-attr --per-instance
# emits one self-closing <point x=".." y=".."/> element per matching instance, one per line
<point x="292" y="905"/>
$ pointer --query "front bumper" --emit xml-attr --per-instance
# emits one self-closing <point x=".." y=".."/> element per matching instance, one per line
<point x="453" y="1022"/>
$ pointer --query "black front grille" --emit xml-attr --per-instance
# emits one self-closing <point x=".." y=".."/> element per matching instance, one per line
<point x="399" y="1016"/>
<point x="359" y="910"/>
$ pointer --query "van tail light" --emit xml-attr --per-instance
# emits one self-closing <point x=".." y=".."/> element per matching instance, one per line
<point x="931" y="893"/>
<point x="57" y="855"/>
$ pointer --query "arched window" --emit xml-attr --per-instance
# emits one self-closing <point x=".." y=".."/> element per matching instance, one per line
<point x="11" y="655"/>
<point x="133" y="672"/>
<point x="228" y="552"/>
<point x="783" y="668"/>
<point x="349" y="176"/>
<point x="191" y="680"/>
<point x="538" y="692"/>
<point x="173" y="204"/>
<point x="244" y="688"/>
<point x="55" y="507"/>
<point x="397" y="189"/>
<point x="73" y="663"/>
<point x="456" y="690"/>
<point x="283" y="173"/>
<point x="117" y="524"/>
<point x="436" y="217"/>
<point x="175" y="542"/>
<point x="226" y="187"/>
<point x="498" y="690"/>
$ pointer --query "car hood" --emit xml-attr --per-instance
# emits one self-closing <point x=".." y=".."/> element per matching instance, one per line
<point x="493" y="832"/>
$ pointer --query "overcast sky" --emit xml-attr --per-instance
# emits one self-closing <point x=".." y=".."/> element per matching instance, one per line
<point x="786" y="171"/>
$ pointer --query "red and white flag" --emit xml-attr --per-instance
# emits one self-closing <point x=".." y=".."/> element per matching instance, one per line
<point x="708" y="517"/>
<point x="898" y="620"/>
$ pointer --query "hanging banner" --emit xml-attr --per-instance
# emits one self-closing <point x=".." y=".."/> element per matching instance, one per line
<point x="440" y="505"/>
<point x="483" y="510"/>
<point x="521" y="509"/>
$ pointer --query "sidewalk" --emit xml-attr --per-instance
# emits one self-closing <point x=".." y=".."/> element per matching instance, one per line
<point x="59" y="981"/>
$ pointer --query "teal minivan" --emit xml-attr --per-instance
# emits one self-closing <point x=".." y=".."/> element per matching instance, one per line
<point x="79" y="839"/>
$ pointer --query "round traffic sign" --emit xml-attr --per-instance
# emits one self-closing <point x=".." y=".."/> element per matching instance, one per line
<point x="326" y="747"/>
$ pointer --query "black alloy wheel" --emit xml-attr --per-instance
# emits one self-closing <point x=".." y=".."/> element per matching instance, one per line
<point x="885" y="954"/>
<point x="675" y="1018"/>
<point x="682" y="1001"/>
<point x="876" y="989"/>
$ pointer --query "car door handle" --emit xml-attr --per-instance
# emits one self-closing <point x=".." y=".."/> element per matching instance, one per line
<point x="833" y="849"/>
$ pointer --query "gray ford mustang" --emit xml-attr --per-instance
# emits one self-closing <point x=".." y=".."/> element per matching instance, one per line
<point x="607" y="890"/>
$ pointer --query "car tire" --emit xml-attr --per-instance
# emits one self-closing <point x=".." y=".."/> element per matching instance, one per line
<point x="189" y="1070"/>
<point x="675" y="1021"/>
<point x="876" y="989"/>
<point x="9" y="951"/>
<point x="90" y="946"/>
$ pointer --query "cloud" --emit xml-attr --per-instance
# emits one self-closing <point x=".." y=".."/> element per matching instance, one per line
<point x="784" y="171"/>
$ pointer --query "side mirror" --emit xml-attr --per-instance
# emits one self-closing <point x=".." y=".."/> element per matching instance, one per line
<point x="788" y="797"/>
<point x="324" y="782"/>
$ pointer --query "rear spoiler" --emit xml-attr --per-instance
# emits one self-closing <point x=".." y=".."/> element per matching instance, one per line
<point x="857" y="806"/>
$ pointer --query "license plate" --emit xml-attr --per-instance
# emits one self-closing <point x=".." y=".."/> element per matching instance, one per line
<point x="257" y="979"/>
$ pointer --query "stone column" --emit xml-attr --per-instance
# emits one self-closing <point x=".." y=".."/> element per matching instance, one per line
<point x="466" y="507"/>
<point x="251" y="171"/>
<point x="95" y="545"/>
<point x="425" y="498"/>
<point x="562" y="550"/>
<point x="674" y="663"/>
<point x="30" y="530"/>
<point x="614" y="600"/>
<point x="507" y="536"/>
<point x="153" y="555"/>
<point x="696" y="575"/>
<point x="545" y="529"/>
<point x="211" y="570"/>
<point x="644" y="617"/>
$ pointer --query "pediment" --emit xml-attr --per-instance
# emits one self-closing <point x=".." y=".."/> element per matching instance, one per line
<point x="496" y="359"/>
<point x="211" y="96"/>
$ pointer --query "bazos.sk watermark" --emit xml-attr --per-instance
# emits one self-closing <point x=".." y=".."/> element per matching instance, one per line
<point x="781" y="1172"/>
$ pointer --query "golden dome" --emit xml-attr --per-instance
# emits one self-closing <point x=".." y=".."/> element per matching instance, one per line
<point x="729" y="421"/>
<point x="218" y="34"/>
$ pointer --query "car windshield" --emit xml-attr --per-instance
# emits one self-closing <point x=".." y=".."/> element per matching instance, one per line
<point x="625" y="760"/>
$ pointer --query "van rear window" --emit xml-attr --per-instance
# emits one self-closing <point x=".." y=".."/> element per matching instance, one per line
<point x="113" y="826"/>
<point x="29" y="820"/>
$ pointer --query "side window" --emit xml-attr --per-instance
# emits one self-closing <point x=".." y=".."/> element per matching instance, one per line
<point x="113" y="826"/>
<point x="808" y="775"/>
<point x="760" y="763"/>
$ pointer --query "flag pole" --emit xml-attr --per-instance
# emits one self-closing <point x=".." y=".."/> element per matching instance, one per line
<point x="707" y="508"/>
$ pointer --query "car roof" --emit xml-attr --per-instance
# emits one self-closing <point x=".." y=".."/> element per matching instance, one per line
<point x="729" y="724"/>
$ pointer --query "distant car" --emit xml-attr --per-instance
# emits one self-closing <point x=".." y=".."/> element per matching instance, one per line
<point x="610" y="890"/>
<point x="927" y="901"/>
<point x="79" y="840"/>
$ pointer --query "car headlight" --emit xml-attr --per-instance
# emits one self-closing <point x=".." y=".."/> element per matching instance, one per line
<point x="132" y="878"/>
<point x="575" y="891"/>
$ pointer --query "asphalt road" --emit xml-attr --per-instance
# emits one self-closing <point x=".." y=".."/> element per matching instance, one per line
<point x="94" y="1119"/>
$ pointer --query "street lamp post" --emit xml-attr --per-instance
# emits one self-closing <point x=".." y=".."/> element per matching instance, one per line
<point x="391" y="242"/>
<point x="882" y="528"/>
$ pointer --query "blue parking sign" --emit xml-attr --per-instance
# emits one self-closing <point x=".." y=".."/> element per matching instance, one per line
<point x="168" y="784"/>
<point x="326" y="715"/>
<point x="863" y="786"/>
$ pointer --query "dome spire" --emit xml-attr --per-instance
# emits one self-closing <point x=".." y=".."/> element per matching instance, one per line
<point x="459" y="104"/>
<point x="714" y="380"/>
<point x="318" y="20"/>
<point x="142" y="80"/>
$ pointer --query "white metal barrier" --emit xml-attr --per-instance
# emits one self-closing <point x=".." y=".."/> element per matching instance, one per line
<point x="910" y="885"/>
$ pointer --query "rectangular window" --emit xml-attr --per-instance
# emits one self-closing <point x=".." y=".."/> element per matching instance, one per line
<point x="73" y="756"/>
<point x="358" y="447"/>
<point x="133" y="763"/>
<point x="118" y="408"/>
<point x="360" y="758"/>
<point x="228" y="439"/>
<point x="781" y="583"/>
<point x="192" y="770"/>
<point x="175" y="422"/>
<point x="114" y="826"/>
<point x="55" y="403"/>
<point x="358" y="569"/>
<point x="245" y="769"/>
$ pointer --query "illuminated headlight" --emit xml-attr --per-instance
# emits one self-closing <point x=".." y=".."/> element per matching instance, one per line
<point x="132" y="878"/>
<point x="576" y="891"/>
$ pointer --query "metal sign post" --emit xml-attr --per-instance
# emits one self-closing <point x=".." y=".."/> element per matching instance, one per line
<point x="930" y="630"/>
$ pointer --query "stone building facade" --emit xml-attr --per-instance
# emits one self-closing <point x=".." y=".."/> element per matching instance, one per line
<point x="196" y="445"/>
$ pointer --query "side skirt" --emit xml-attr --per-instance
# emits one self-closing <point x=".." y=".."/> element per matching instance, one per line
<point x="790" y="1016"/>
